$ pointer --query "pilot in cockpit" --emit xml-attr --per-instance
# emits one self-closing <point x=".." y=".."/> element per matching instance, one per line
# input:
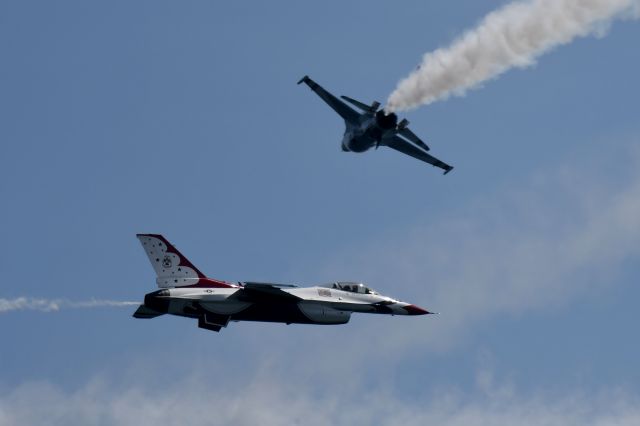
<point x="353" y="287"/>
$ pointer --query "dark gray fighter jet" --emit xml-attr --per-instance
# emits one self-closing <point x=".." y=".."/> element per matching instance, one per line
<point x="373" y="128"/>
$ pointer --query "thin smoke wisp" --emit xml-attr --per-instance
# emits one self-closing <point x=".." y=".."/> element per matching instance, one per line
<point x="52" y="305"/>
<point x="513" y="36"/>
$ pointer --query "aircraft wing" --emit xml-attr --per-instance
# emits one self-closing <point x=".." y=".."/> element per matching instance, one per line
<point x="408" y="148"/>
<point x="338" y="106"/>
<point x="252" y="292"/>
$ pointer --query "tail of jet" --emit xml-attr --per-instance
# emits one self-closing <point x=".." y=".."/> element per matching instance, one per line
<point x="171" y="267"/>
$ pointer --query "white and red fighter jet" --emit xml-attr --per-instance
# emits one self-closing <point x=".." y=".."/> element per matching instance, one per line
<point x="187" y="292"/>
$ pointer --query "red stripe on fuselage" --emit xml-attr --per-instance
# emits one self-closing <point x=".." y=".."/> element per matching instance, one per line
<point x="211" y="283"/>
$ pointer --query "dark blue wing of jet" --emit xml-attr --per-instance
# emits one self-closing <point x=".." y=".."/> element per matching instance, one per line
<point x="338" y="106"/>
<point x="408" y="148"/>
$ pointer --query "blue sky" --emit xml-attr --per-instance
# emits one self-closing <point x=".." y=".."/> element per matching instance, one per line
<point x="183" y="118"/>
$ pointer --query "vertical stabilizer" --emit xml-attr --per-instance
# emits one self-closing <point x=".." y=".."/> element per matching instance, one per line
<point x="171" y="267"/>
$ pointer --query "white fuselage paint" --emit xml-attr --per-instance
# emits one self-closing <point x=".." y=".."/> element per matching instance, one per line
<point x="312" y="301"/>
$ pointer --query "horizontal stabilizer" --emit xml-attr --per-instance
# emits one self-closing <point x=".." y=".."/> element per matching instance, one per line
<point x="364" y="107"/>
<point x="146" y="312"/>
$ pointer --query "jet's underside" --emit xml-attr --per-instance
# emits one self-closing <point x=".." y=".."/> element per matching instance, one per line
<point x="267" y="311"/>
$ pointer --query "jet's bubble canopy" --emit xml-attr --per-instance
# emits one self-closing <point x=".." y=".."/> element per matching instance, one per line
<point x="350" y="286"/>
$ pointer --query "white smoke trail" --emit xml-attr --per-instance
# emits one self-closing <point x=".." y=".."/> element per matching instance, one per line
<point x="51" y="305"/>
<point x="512" y="36"/>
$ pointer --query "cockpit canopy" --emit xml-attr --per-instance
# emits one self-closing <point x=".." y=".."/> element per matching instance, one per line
<point x="352" y="287"/>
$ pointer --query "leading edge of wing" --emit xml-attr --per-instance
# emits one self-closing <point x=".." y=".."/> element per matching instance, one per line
<point x="408" y="148"/>
<point x="345" y="111"/>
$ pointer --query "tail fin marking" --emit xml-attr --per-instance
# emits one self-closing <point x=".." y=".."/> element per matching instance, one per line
<point x="171" y="267"/>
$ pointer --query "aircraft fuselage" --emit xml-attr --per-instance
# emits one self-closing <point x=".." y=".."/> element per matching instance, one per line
<point x="308" y="305"/>
<point x="368" y="132"/>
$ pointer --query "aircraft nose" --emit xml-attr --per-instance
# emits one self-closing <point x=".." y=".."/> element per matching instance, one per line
<point x="415" y="310"/>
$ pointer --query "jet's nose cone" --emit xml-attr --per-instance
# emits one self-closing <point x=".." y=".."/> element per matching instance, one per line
<point x="415" y="310"/>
